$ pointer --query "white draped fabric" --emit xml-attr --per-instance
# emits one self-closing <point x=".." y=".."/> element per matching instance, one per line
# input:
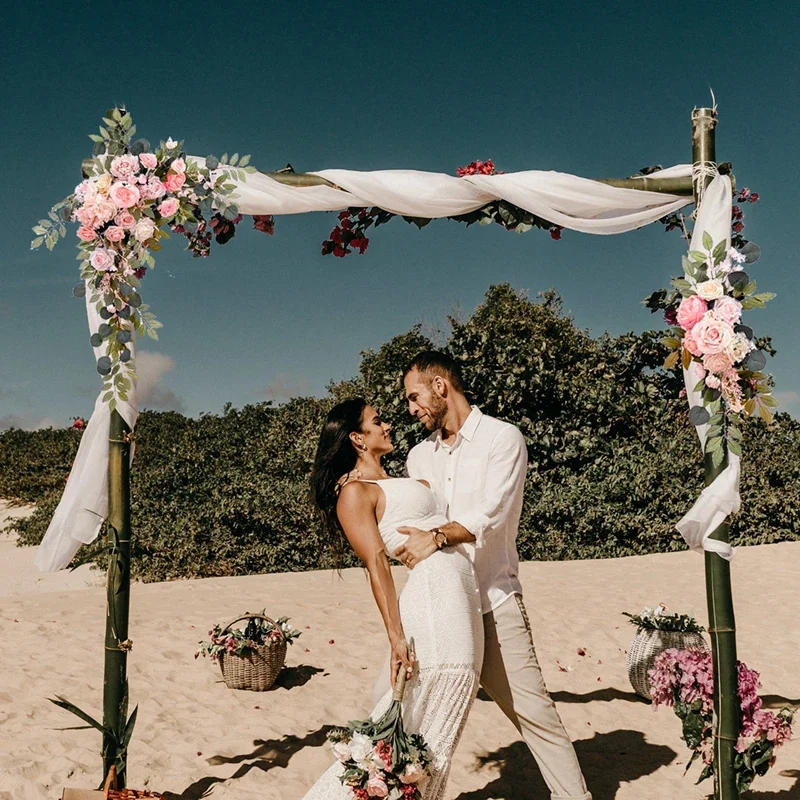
<point x="721" y="498"/>
<point x="575" y="203"/>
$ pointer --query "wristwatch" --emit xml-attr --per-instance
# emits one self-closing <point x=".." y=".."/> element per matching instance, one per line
<point x="439" y="538"/>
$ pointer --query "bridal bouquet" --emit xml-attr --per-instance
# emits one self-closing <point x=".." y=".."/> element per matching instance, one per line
<point x="684" y="680"/>
<point x="657" y="619"/>
<point x="379" y="759"/>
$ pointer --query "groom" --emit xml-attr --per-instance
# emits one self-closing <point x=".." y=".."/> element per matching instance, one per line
<point x="478" y="464"/>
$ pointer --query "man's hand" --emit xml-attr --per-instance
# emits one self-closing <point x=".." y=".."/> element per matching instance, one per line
<point x="417" y="548"/>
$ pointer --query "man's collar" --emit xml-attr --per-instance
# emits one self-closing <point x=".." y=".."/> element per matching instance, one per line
<point x="467" y="430"/>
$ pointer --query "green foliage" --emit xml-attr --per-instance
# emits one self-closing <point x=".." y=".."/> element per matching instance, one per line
<point x="614" y="459"/>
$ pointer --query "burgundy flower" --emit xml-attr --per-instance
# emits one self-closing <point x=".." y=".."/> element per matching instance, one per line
<point x="671" y="316"/>
<point x="555" y="232"/>
<point x="264" y="223"/>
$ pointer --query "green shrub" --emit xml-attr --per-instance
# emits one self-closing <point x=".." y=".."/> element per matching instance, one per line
<point x="614" y="461"/>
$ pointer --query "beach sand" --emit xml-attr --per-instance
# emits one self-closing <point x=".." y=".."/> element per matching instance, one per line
<point x="195" y="738"/>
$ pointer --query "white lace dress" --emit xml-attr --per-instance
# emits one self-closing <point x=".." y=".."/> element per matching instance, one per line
<point x="441" y="610"/>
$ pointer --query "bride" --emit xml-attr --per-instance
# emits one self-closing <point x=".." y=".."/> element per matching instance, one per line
<point x="439" y="608"/>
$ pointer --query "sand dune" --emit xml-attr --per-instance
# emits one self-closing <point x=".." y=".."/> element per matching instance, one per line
<point x="196" y="738"/>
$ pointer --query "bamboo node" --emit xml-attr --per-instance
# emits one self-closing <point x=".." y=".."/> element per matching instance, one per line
<point x="722" y="630"/>
<point x="726" y="738"/>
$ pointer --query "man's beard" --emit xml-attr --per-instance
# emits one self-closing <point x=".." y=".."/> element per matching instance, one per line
<point x="437" y="411"/>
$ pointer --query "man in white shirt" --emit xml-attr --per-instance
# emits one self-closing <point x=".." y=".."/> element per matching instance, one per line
<point x="478" y="464"/>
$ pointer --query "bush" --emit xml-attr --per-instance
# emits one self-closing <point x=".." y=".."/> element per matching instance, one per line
<point x="614" y="461"/>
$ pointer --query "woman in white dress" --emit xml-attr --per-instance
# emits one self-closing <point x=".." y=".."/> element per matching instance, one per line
<point x="439" y="608"/>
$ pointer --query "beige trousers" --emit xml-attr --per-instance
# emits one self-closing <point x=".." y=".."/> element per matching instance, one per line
<point x="512" y="678"/>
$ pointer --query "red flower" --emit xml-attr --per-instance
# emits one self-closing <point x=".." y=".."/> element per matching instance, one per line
<point x="344" y="215"/>
<point x="339" y="251"/>
<point x="264" y="223"/>
<point x="555" y="232"/>
<point x="79" y="424"/>
<point x="337" y="235"/>
<point x="139" y="273"/>
<point x="347" y="224"/>
<point x="671" y="316"/>
<point x="754" y="197"/>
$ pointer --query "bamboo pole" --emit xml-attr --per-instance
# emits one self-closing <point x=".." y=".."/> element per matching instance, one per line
<point x="117" y="590"/>
<point x="722" y="625"/>
<point x="649" y="183"/>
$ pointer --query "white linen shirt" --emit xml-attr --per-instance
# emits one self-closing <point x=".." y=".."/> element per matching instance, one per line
<point x="481" y="477"/>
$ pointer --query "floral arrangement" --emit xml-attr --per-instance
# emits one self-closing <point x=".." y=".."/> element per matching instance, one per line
<point x="708" y="337"/>
<point x="240" y="641"/>
<point x="127" y="200"/>
<point x="684" y="680"/>
<point x="656" y="619"/>
<point x="394" y="767"/>
<point x="349" y="235"/>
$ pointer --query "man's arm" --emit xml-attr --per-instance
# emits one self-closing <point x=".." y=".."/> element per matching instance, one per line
<point x="505" y="475"/>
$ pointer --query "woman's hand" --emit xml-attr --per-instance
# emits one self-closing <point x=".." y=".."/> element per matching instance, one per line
<point x="402" y="655"/>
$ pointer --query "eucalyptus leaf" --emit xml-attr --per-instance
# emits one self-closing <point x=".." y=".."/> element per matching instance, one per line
<point x="755" y="361"/>
<point x="698" y="415"/>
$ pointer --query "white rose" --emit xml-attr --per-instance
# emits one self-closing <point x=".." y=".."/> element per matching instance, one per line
<point x="360" y="747"/>
<point x="104" y="182"/>
<point x="342" y="751"/>
<point x="710" y="290"/>
<point x="739" y="347"/>
<point x="144" y="229"/>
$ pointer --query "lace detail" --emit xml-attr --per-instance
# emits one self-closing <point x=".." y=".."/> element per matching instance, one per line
<point x="440" y="609"/>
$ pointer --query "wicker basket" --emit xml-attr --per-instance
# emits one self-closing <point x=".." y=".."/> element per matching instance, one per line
<point x="645" y="648"/>
<point x="257" y="670"/>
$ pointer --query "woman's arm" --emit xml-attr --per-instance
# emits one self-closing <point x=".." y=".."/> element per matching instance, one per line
<point x="356" y="512"/>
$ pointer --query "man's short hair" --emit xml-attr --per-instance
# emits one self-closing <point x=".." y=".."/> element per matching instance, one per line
<point x="435" y="362"/>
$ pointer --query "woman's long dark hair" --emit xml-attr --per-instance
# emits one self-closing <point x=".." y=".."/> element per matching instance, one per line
<point x="335" y="457"/>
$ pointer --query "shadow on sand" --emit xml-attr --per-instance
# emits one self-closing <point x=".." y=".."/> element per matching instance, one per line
<point x="608" y="760"/>
<point x="266" y="754"/>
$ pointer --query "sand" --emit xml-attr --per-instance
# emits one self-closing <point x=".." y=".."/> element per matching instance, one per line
<point x="195" y="738"/>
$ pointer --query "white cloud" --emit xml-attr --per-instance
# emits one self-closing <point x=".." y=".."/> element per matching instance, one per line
<point x="27" y="422"/>
<point x="151" y="368"/>
<point x="288" y="385"/>
<point x="790" y="401"/>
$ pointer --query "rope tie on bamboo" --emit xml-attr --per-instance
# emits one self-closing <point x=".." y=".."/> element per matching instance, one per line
<point x="127" y="438"/>
<point x="703" y="172"/>
<point x="125" y="646"/>
<point x="726" y="738"/>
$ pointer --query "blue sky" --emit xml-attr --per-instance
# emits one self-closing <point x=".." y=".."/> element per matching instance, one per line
<point x="593" y="89"/>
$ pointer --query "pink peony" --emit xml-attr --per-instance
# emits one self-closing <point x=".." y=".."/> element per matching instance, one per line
<point x="154" y="189"/>
<point x="169" y="207"/>
<point x="691" y="311"/>
<point x="712" y="334"/>
<point x="125" y="220"/>
<point x="413" y="773"/>
<point x="717" y="362"/>
<point x="148" y="160"/>
<point x="728" y="309"/>
<point x="174" y="181"/>
<point x="102" y="260"/>
<point x="699" y="370"/>
<point x="178" y="165"/>
<point x="124" y="195"/>
<point x="144" y="230"/>
<point x="105" y="210"/>
<point x="124" y="167"/>
<point x="86" y="234"/>
<point x="114" y="233"/>
<point x="376" y="787"/>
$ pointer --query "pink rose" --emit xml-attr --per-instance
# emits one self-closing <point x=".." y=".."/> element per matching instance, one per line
<point x="114" y="234"/>
<point x="154" y="189"/>
<point x="341" y="751"/>
<point x="729" y="309"/>
<point x="148" y="160"/>
<point x="690" y="342"/>
<point x="169" y="207"/>
<point x="376" y="787"/>
<point x="174" y="181"/>
<point x="691" y="311"/>
<point x="124" y="195"/>
<point x="125" y="220"/>
<point x="102" y="260"/>
<point x="712" y="381"/>
<point x="699" y="370"/>
<point x="413" y="773"/>
<point x="144" y="230"/>
<point x="86" y="234"/>
<point x="124" y="167"/>
<point x="104" y="210"/>
<point x="178" y="165"/>
<point x="712" y="334"/>
<point x="717" y="362"/>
